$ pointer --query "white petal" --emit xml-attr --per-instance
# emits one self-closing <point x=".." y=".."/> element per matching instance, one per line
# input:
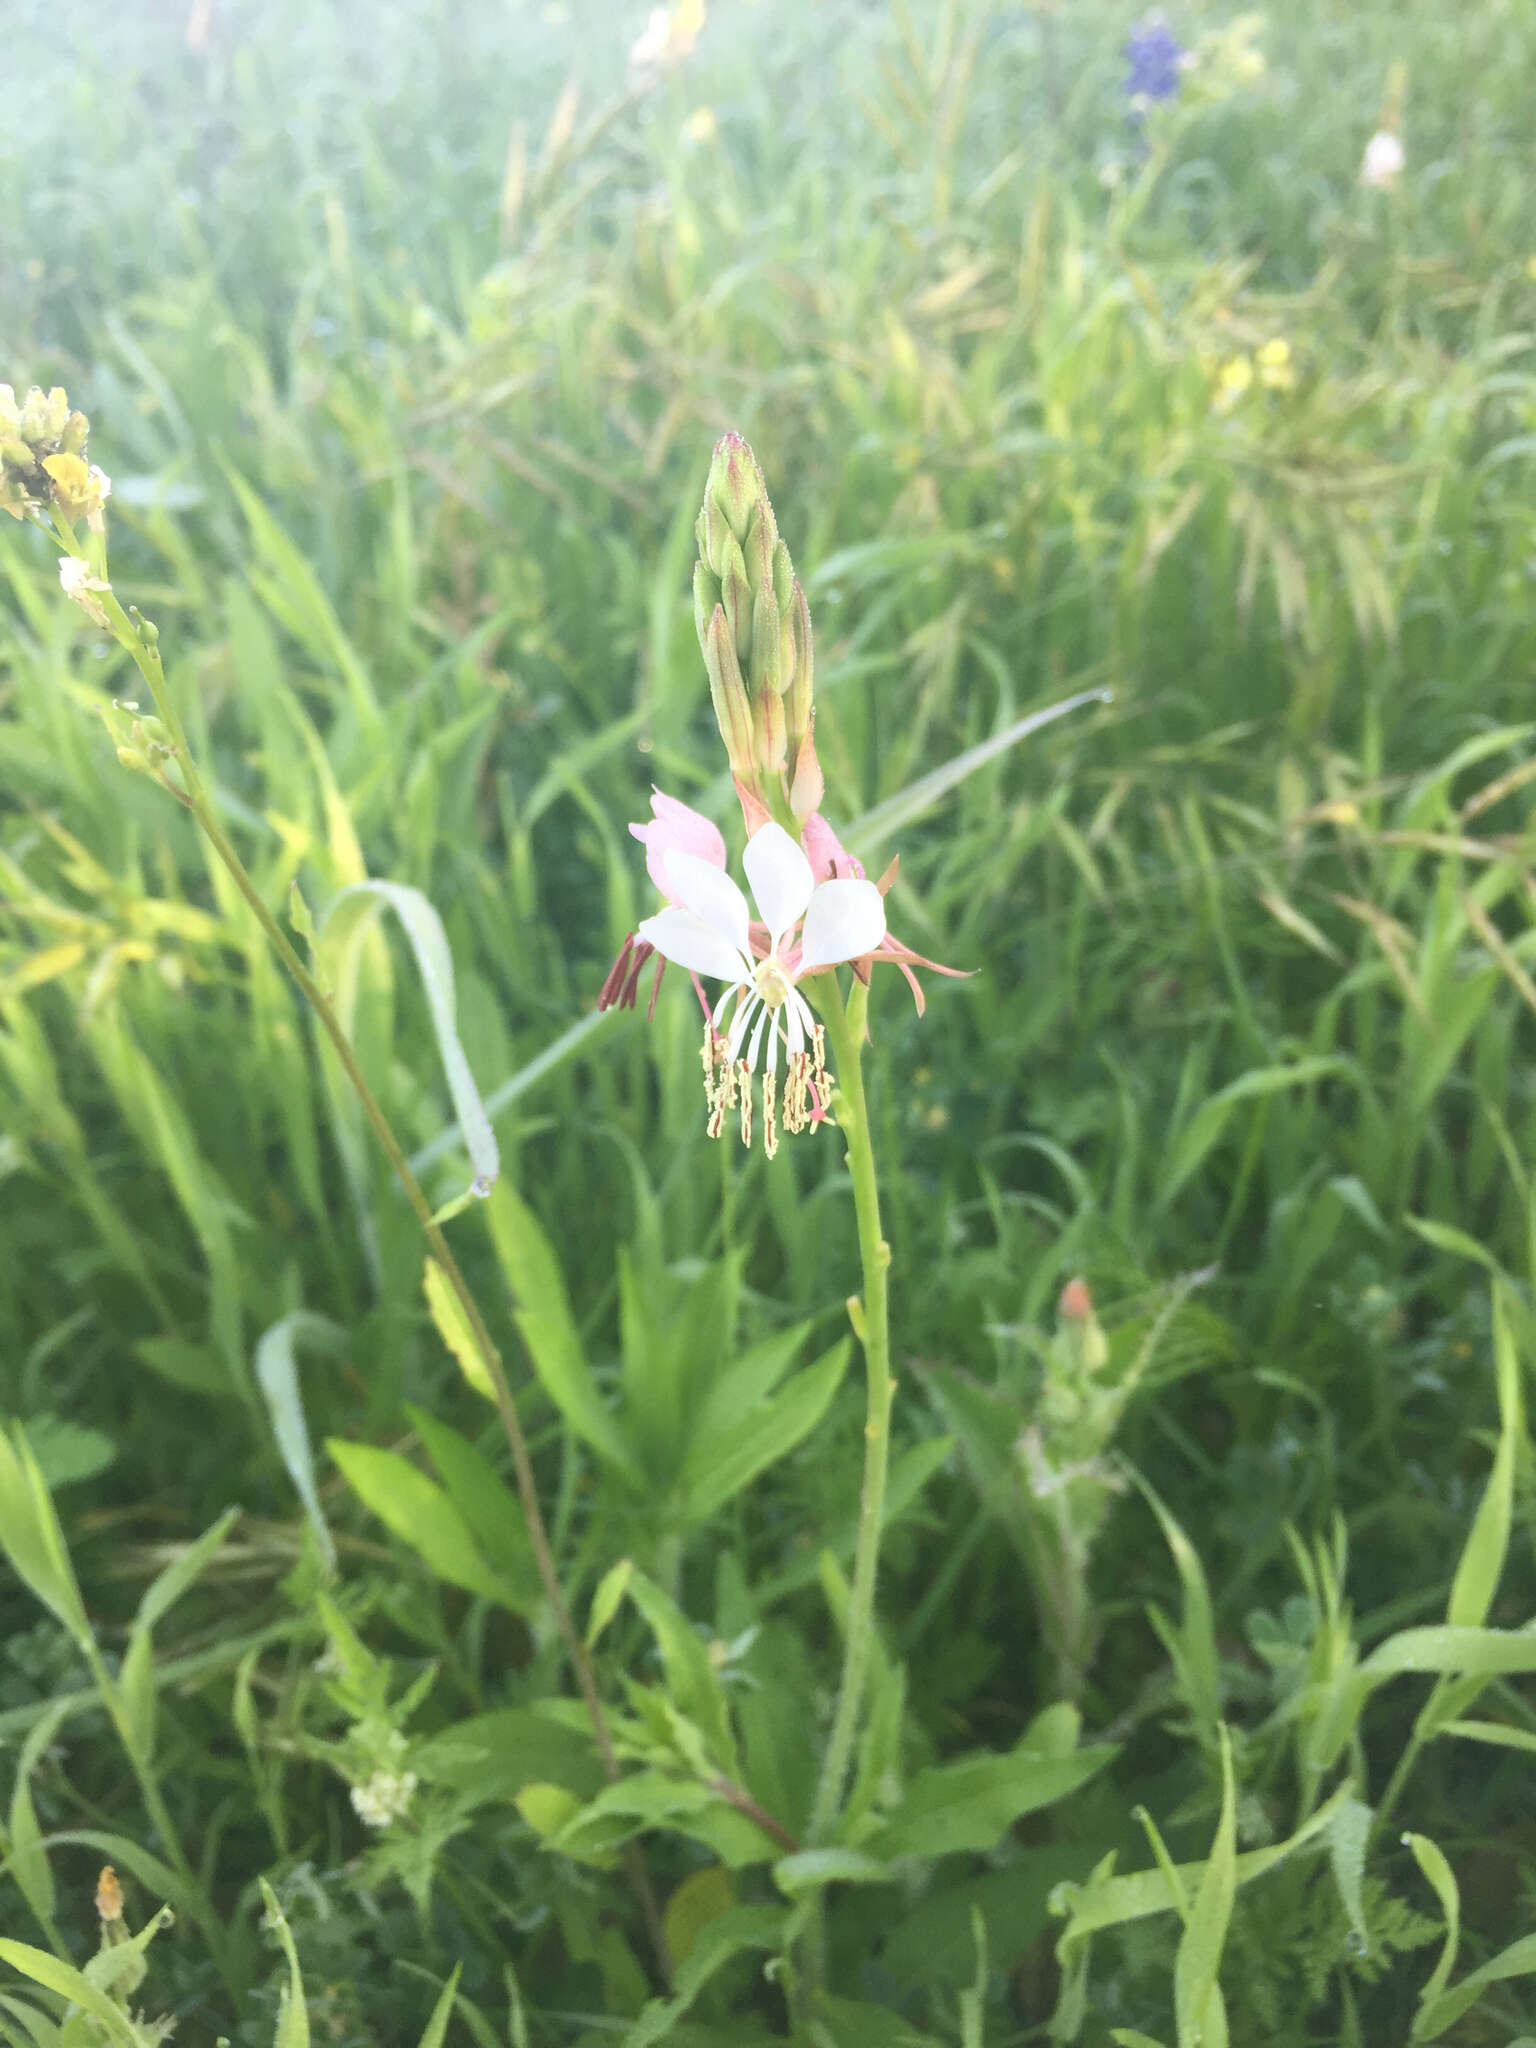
<point x="846" y="920"/>
<point x="781" y="878"/>
<point x="699" y="886"/>
<point x="689" y="942"/>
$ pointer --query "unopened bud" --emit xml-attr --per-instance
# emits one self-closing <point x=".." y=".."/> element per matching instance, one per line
<point x="768" y="730"/>
<point x="735" y="482"/>
<point x="109" y="1894"/>
<point x="132" y="759"/>
<point x="736" y="596"/>
<point x="1082" y="1342"/>
<point x="728" y="693"/>
<point x="754" y="628"/>
<point x="799" y="678"/>
<point x="1075" y="1304"/>
<point x="807" y="785"/>
<point x="766" y="674"/>
<point x="76" y="428"/>
<point x="43" y="415"/>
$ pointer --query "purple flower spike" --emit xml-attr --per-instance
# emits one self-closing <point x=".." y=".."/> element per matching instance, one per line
<point x="1156" y="60"/>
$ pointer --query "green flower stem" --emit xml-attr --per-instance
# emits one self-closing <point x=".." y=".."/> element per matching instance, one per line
<point x="871" y="1319"/>
<point x="141" y="643"/>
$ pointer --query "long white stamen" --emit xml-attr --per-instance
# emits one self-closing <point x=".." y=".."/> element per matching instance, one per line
<point x="740" y="1022"/>
<point x="757" y="1040"/>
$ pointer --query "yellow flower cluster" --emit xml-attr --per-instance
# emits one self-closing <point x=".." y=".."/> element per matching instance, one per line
<point x="1269" y="366"/>
<point x="42" y="458"/>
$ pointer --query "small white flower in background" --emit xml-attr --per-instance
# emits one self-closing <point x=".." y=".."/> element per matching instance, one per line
<point x="80" y="585"/>
<point x="649" y="47"/>
<point x="668" y="36"/>
<point x="706" y="928"/>
<point x="1384" y="161"/>
<point x="386" y="1797"/>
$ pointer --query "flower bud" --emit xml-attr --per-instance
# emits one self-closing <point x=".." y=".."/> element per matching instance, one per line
<point x="807" y="785"/>
<point x="735" y="483"/>
<point x="1080" y="1341"/>
<point x="768" y="730"/>
<point x="43" y="417"/>
<point x="754" y="628"/>
<point x="736" y="596"/>
<point x="728" y="694"/>
<point x="767" y="651"/>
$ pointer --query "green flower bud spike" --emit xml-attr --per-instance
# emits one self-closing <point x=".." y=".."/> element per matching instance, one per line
<point x="754" y="628"/>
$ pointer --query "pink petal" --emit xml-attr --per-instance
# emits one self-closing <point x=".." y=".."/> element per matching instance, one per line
<point x="826" y="853"/>
<point x="676" y="829"/>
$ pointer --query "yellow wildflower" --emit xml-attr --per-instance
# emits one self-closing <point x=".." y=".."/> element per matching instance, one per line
<point x="1276" y="370"/>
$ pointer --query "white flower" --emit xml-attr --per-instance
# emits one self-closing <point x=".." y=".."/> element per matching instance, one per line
<point x="1384" y="161"/>
<point x="385" y="1797"/>
<point x="650" y="46"/>
<point x="80" y="586"/>
<point x="707" y="929"/>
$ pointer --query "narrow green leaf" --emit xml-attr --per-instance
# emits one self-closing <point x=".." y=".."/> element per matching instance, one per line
<point x="341" y="933"/>
<point x="1199" y="2013"/>
<point x="543" y="1312"/>
<point x="1481" y="1564"/>
<point x="1349" y="1835"/>
<point x="692" y="1681"/>
<point x="608" y="1598"/>
<point x="29" y="1863"/>
<point x="1431" y="1860"/>
<point x="1470" y="1652"/>
<point x="888" y="817"/>
<point x="167" y="1587"/>
<point x="437" y="2026"/>
<point x="1445" y="1237"/>
<point x="69" y="1983"/>
<point x="1205" y="1127"/>
<point x="277" y="1375"/>
<point x="31" y="1537"/>
<point x="1193" y="1648"/>
<point x="422" y="1515"/>
<point x="489" y="1508"/>
<point x="972" y="1803"/>
<point x="1518" y="1960"/>
<point x="292" y="2012"/>
<point x="453" y="1326"/>
<point x="810" y="1870"/>
<point x="1108" y="1901"/>
<point x="136" y="1689"/>
<point x="719" y="1466"/>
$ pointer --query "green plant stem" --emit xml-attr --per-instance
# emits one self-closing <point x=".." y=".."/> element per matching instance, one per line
<point x="871" y="1319"/>
<point x="199" y="1905"/>
<point x="141" y="644"/>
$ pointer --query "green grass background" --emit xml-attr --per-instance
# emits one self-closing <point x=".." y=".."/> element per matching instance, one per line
<point x="405" y="334"/>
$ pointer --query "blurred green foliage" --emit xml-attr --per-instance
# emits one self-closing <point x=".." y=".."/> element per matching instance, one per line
<point x="405" y="333"/>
